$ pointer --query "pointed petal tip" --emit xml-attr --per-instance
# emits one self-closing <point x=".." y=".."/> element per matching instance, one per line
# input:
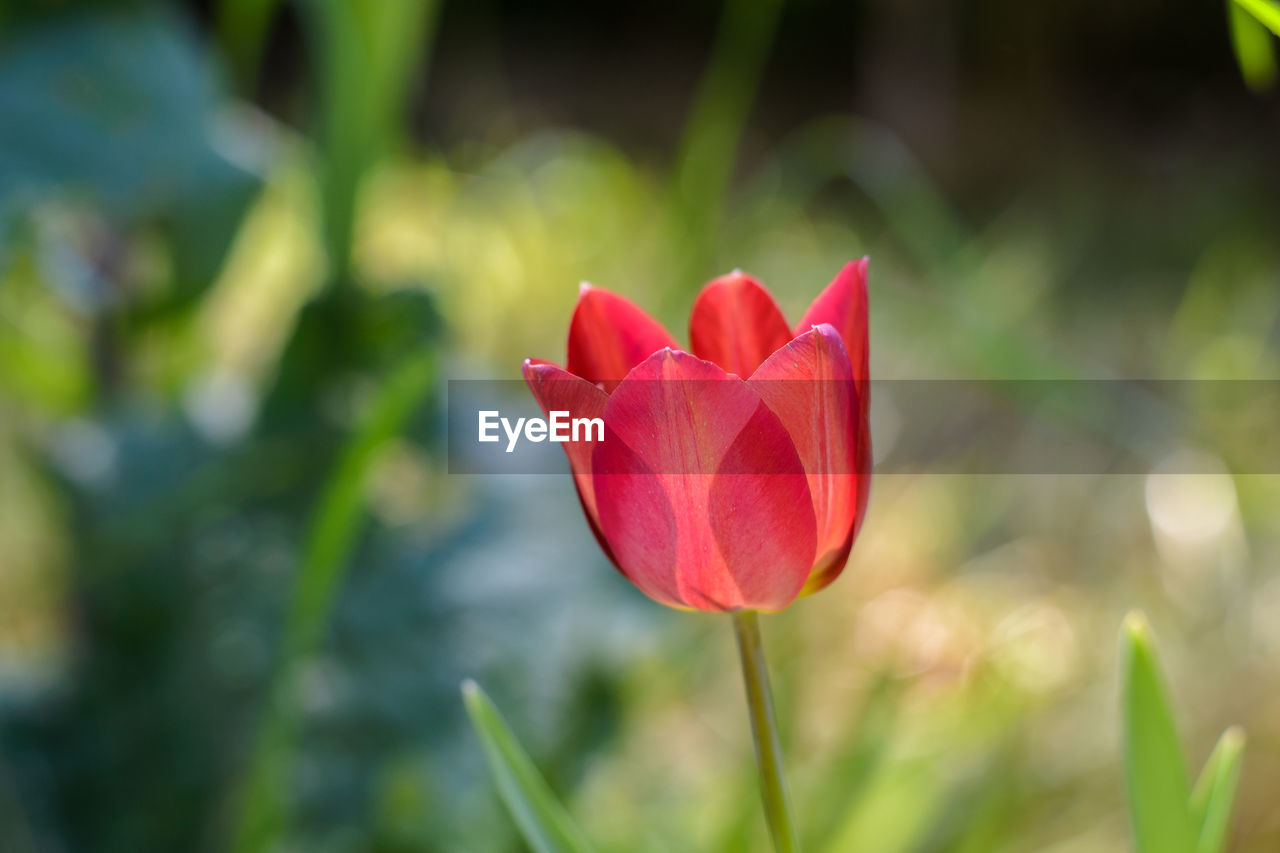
<point x="858" y="267"/>
<point x="824" y="328"/>
<point x="584" y="287"/>
<point x="666" y="354"/>
<point x="609" y="334"/>
<point x="539" y="368"/>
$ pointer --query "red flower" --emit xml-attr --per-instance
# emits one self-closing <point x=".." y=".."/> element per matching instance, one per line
<point x="735" y="477"/>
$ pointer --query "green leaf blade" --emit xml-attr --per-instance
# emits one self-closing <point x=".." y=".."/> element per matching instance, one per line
<point x="1253" y="49"/>
<point x="1214" y="795"/>
<point x="1267" y="12"/>
<point x="542" y="821"/>
<point x="1159" y="792"/>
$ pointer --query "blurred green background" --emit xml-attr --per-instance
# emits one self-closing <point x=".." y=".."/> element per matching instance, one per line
<point x="245" y="243"/>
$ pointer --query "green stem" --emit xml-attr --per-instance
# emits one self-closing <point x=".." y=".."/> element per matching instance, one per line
<point x="764" y="730"/>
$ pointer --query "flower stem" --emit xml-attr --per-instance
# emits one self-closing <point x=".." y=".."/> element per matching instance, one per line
<point x="764" y="730"/>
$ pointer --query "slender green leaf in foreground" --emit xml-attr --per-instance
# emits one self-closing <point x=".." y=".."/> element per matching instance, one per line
<point x="543" y="822"/>
<point x="1156" y="773"/>
<point x="1253" y="48"/>
<point x="1266" y="11"/>
<point x="1215" y="791"/>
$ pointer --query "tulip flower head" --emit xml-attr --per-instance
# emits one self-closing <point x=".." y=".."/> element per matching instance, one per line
<point x="733" y="475"/>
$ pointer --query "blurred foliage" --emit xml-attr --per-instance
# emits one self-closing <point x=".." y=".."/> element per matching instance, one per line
<point x="215" y="329"/>
<point x="119" y="113"/>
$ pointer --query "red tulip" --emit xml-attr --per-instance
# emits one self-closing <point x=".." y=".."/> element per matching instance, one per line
<point x="732" y="476"/>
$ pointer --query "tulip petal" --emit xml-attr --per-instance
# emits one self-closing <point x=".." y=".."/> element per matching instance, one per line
<point x="843" y="304"/>
<point x="809" y="385"/>
<point x="557" y="389"/>
<point x="700" y="492"/>
<point x="736" y="324"/>
<point x="609" y="335"/>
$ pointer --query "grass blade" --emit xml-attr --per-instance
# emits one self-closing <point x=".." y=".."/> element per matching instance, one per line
<point x="1267" y="12"/>
<point x="368" y="52"/>
<point x="332" y="535"/>
<point x="242" y="30"/>
<point x="1253" y="49"/>
<point x="543" y="822"/>
<point x="1215" y="792"/>
<point x="1156" y="773"/>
